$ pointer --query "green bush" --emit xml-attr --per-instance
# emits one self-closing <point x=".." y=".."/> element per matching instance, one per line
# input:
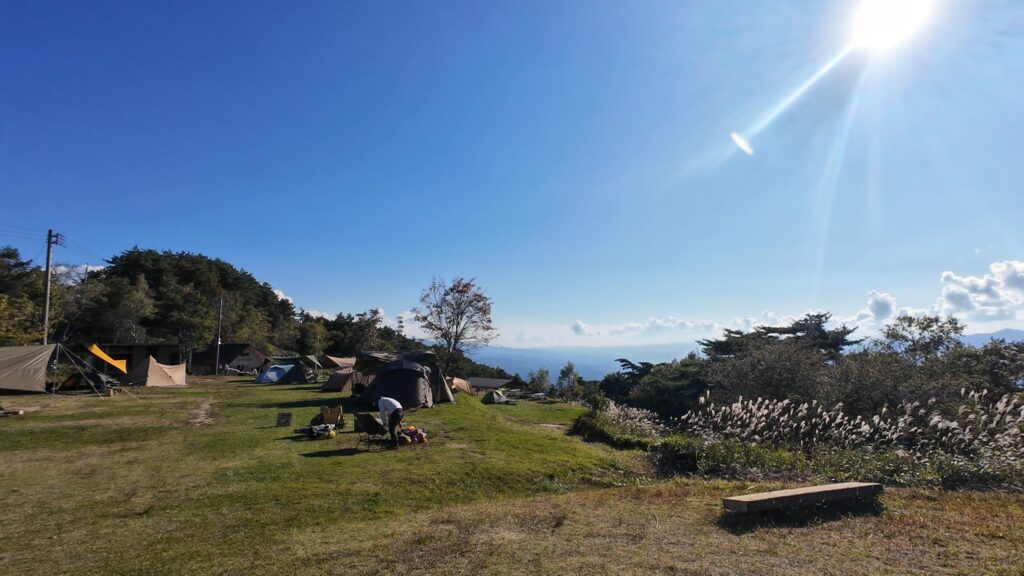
<point x="726" y="458"/>
<point x="738" y="459"/>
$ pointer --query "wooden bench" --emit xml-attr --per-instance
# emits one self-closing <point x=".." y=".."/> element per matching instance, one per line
<point x="801" y="496"/>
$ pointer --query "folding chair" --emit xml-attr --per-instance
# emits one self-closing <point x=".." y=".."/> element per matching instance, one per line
<point x="369" y="427"/>
<point x="333" y="416"/>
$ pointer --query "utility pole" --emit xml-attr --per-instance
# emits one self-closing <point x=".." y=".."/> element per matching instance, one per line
<point x="52" y="238"/>
<point x="220" y="321"/>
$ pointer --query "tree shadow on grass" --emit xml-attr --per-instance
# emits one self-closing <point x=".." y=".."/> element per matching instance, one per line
<point x="740" y="523"/>
<point x="348" y="404"/>
<point x="332" y="453"/>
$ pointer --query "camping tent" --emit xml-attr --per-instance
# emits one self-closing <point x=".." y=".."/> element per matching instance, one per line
<point x="81" y="380"/>
<point x="459" y="385"/>
<point x="405" y="381"/>
<point x="149" y="372"/>
<point x="283" y="374"/>
<point x="494" y="397"/>
<point x="24" y="367"/>
<point x="339" y="362"/>
<point x="339" y="381"/>
<point x="404" y="374"/>
<point x="308" y="365"/>
<point x="308" y="360"/>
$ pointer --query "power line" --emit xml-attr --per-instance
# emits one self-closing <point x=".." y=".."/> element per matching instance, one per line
<point x="20" y="235"/>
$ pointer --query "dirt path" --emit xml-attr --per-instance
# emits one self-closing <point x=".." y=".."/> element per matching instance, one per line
<point x="201" y="415"/>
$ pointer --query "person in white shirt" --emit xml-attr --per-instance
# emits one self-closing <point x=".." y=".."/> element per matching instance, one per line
<point x="391" y="415"/>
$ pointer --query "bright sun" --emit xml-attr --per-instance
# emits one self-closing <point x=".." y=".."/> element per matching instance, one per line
<point x="882" y="24"/>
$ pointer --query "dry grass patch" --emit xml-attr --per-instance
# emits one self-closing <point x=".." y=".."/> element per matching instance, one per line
<point x="678" y="528"/>
<point x="201" y="415"/>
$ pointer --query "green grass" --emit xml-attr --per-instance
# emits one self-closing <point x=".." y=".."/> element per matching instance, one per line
<point x="124" y="485"/>
<point x="130" y="469"/>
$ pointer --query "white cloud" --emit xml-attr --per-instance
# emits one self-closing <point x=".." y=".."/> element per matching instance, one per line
<point x="881" y="306"/>
<point x="767" y="318"/>
<point x="997" y="295"/>
<point x="666" y="325"/>
<point x="319" y="314"/>
<point x="581" y="328"/>
<point x="282" y="296"/>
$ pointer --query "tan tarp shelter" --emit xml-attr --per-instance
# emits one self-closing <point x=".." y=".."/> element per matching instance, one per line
<point x="458" y="384"/>
<point x="339" y="381"/>
<point x="339" y="362"/>
<point x="152" y="373"/>
<point x="121" y="365"/>
<point x="24" y="367"/>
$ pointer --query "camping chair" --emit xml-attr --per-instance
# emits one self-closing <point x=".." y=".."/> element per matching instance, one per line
<point x="333" y="416"/>
<point x="369" y="428"/>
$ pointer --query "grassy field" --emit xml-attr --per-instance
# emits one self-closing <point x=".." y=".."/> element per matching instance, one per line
<point x="198" y="481"/>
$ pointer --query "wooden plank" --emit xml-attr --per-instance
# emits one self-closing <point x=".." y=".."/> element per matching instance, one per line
<point x="801" y="496"/>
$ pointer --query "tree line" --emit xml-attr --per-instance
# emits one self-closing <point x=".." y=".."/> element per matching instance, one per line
<point x="914" y="358"/>
<point x="146" y="296"/>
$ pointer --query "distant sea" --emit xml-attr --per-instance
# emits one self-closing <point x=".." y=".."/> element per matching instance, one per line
<point x="593" y="363"/>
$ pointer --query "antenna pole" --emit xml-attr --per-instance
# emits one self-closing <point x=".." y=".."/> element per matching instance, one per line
<point x="52" y="239"/>
<point x="220" y="321"/>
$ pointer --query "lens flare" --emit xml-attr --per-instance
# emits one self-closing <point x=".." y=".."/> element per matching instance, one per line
<point x="742" y="143"/>
<point x="883" y="24"/>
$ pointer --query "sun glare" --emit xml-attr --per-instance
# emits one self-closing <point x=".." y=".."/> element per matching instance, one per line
<point x="883" y="24"/>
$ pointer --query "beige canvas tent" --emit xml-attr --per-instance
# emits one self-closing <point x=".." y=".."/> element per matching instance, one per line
<point x="460" y="385"/>
<point x="339" y="381"/>
<point x="152" y="373"/>
<point x="24" y="367"/>
<point x="336" y="362"/>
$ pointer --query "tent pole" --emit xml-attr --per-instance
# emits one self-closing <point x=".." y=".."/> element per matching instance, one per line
<point x="56" y="361"/>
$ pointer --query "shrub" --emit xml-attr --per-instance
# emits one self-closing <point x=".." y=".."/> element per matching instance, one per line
<point x="726" y="458"/>
<point x="619" y="426"/>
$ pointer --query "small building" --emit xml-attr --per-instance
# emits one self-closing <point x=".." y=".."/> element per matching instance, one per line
<point x="236" y="355"/>
<point x="488" y="383"/>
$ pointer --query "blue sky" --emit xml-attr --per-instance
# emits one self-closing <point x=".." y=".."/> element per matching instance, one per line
<point x="573" y="156"/>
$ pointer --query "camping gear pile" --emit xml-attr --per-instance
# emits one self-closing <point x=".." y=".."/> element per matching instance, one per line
<point x="324" y="425"/>
<point x="412" y="435"/>
<point x="318" y="431"/>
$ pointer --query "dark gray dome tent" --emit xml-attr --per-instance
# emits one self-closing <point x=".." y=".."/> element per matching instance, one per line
<point x="412" y="378"/>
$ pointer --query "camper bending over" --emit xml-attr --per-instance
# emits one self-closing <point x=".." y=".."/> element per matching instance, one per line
<point x="391" y="415"/>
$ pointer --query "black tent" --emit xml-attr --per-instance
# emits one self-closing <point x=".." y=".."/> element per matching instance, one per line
<point x="412" y="378"/>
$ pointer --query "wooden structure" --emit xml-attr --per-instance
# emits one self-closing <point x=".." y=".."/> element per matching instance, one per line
<point x="801" y="496"/>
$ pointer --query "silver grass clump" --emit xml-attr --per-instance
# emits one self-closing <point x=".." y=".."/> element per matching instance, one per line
<point x="635" y="421"/>
<point x="991" y="431"/>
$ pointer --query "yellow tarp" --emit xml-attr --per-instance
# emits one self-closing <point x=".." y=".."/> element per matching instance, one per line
<point x="121" y="365"/>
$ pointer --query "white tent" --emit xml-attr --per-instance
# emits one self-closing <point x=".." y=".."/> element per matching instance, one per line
<point x="24" y="367"/>
<point x="149" y="372"/>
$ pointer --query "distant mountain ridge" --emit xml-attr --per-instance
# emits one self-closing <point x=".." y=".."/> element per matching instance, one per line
<point x="1009" y="334"/>
<point x="594" y="362"/>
